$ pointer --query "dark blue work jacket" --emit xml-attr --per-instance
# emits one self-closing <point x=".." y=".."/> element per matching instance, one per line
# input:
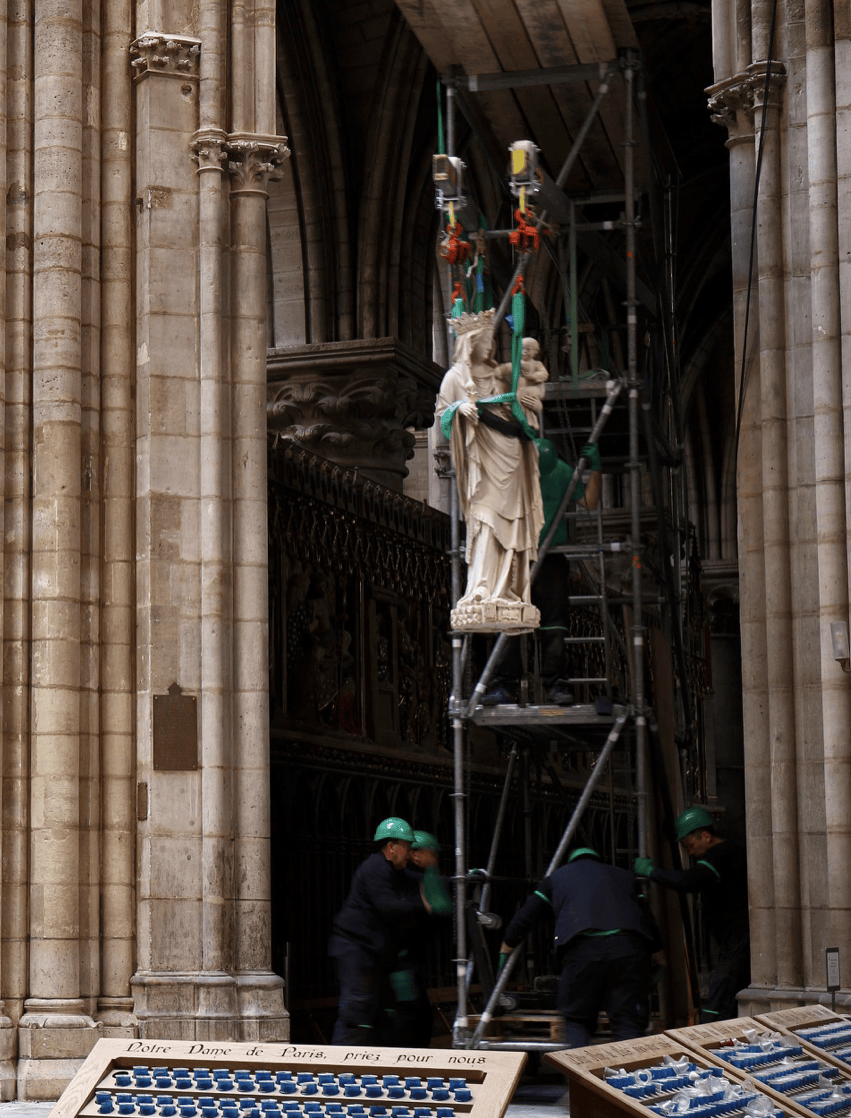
<point x="587" y="897"/>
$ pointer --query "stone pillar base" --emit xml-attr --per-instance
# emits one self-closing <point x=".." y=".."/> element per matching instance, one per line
<point x="769" y="999"/>
<point x="54" y="1038"/>
<point x="117" y="1018"/>
<point x="262" y="1013"/>
<point x="210" y="1007"/>
<point x="8" y="1063"/>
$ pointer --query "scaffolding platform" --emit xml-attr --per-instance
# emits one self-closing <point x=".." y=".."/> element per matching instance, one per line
<point x="578" y="728"/>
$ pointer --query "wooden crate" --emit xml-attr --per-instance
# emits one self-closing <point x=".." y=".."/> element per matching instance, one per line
<point x="592" y="1097"/>
<point x="800" y="1019"/>
<point x="714" y="1039"/>
<point x="263" y="1081"/>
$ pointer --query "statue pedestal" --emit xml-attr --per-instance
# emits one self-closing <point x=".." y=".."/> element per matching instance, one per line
<point x="495" y="616"/>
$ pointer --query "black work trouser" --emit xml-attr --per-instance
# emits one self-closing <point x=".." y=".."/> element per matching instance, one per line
<point x="731" y="972"/>
<point x="362" y="989"/>
<point x="610" y="973"/>
<point x="414" y="1017"/>
<point x="551" y="594"/>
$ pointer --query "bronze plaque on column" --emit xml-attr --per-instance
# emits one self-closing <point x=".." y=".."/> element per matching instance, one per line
<point x="175" y="731"/>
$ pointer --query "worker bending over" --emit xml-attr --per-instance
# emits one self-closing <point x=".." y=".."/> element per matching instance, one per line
<point x="604" y="940"/>
<point x="720" y="874"/>
<point x="370" y="929"/>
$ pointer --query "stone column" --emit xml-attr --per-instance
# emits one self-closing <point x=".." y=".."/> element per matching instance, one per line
<point x="7" y="1035"/>
<point x="168" y="992"/>
<point x="18" y="450"/>
<point x="262" y="1016"/>
<point x="115" y="1005"/>
<point x="90" y="513"/>
<point x="829" y="464"/>
<point x="731" y="105"/>
<point x="55" y="1032"/>
<point x="780" y="711"/>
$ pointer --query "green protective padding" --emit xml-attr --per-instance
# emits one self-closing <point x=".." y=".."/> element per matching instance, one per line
<point x="404" y="985"/>
<point x="591" y="453"/>
<point x="435" y="893"/>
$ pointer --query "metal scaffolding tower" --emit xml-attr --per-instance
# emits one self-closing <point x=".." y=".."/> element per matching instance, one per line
<point x="605" y="723"/>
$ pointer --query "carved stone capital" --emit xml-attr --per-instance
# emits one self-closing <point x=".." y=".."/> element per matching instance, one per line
<point x="255" y="160"/>
<point x="209" y="149"/>
<point x="732" y="102"/>
<point x="353" y="403"/>
<point x="175" y="56"/>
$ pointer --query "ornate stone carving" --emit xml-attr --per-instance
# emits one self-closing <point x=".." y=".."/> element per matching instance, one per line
<point x="353" y="403"/>
<point x="496" y="615"/>
<point x="732" y="102"/>
<point x="176" y="56"/>
<point x="209" y="149"/>
<point x="255" y="160"/>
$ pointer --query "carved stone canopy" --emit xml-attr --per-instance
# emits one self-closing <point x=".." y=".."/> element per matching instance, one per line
<point x="175" y="56"/>
<point x="353" y="402"/>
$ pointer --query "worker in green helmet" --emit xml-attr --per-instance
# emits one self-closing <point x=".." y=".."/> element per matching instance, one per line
<point x="604" y="938"/>
<point x="369" y="930"/>
<point x="719" y="873"/>
<point x="409" y="978"/>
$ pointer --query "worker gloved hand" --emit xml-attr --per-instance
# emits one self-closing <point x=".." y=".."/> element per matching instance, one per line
<point x="503" y="959"/>
<point x="435" y="893"/>
<point x="477" y="875"/>
<point x="643" y="867"/>
<point x="591" y="454"/>
<point x="657" y="973"/>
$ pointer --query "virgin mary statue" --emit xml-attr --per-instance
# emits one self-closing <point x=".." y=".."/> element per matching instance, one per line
<point x="496" y="468"/>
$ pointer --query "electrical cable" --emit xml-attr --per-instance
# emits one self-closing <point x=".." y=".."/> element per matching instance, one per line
<point x="743" y="376"/>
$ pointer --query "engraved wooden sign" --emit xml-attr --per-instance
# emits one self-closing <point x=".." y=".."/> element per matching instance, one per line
<point x="175" y="731"/>
<point x="165" y="1078"/>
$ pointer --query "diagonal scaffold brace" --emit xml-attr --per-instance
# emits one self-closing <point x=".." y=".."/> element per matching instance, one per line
<point x="567" y="838"/>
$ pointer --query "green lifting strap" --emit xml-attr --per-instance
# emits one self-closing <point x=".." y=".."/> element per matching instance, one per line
<point x="518" y="314"/>
<point x="441" y="149"/>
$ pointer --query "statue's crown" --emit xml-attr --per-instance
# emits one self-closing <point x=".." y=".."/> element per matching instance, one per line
<point x="467" y="323"/>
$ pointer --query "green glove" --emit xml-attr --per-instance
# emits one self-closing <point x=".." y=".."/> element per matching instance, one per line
<point x="591" y="454"/>
<point x="477" y="875"/>
<point x="503" y="959"/>
<point x="435" y="893"/>
<point x="643" y="867"/>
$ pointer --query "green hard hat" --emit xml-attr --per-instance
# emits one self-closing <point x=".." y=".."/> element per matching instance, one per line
<point x="547" y="455"/>
<point x="693" y="819"/>
<point x="583" y="852"/>
<point x="393" y="828"/>
<point x="424" y="841"/>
